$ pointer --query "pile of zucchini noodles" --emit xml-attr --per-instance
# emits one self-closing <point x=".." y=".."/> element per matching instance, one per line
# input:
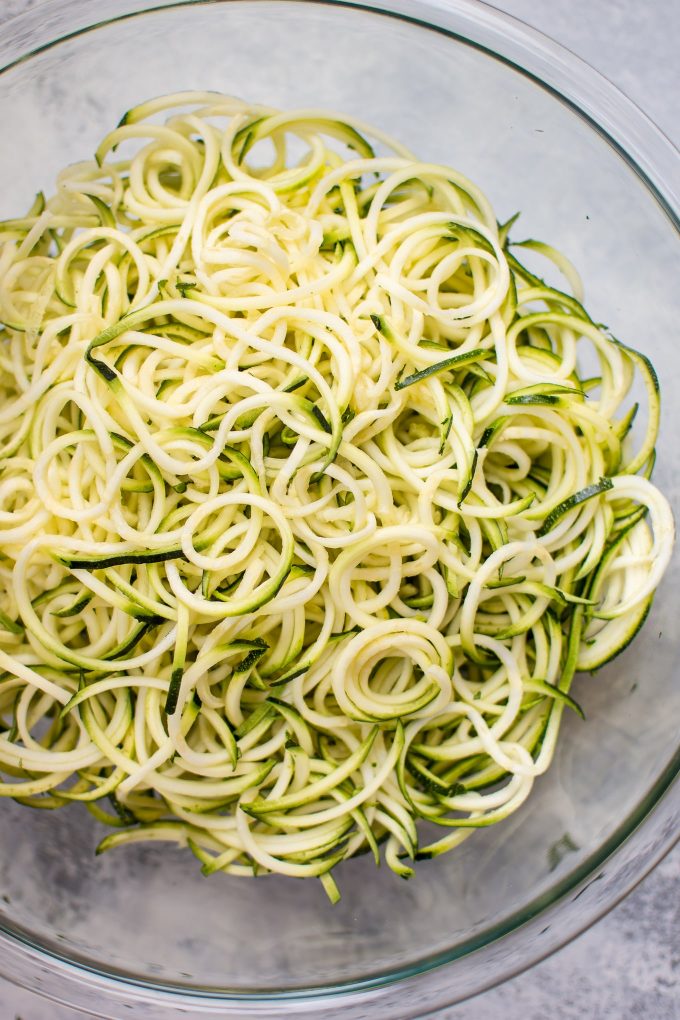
<point x="307" y="513"/>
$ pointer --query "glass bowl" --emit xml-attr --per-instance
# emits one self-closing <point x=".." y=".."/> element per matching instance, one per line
<point x="139" y="932"/>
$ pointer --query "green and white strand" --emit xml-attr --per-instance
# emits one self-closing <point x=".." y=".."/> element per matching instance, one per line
<point x="307" y="515"/>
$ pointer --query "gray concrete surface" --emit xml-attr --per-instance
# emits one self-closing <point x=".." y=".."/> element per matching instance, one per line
<point x="627" y="967"/>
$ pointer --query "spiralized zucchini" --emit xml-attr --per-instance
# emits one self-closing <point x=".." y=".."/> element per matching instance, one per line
<point x="307" y="513"/>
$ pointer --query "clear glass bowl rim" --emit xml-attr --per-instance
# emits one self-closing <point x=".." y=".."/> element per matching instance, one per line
<point x="649" y="832"/>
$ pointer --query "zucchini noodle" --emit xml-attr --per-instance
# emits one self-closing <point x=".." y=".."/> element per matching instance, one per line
<point x="308" y="514"/>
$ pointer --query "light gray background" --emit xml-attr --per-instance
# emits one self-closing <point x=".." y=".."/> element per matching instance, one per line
<point x="627" y="966"/>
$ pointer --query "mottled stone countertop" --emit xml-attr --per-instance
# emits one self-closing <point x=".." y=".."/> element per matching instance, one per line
<point x="627" y="967"/>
